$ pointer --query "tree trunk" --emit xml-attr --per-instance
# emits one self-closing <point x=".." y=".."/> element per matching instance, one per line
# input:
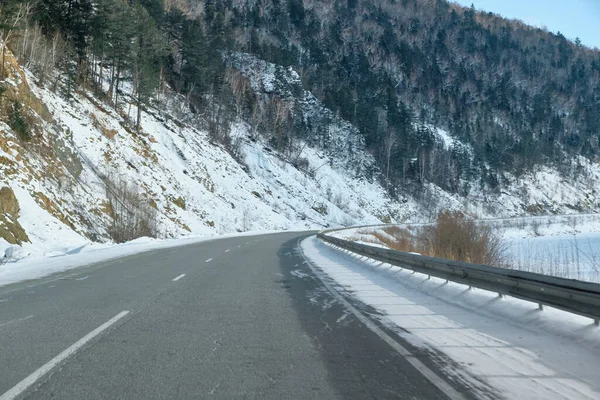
<point x="117" y="81"/>
<point x="139" y="112"/>
<point x="112" y="78"/>
<point x="101" y="74"/>
<point x="3" y="59"/>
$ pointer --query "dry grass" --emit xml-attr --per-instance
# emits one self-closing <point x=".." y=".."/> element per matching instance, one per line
<point x="453" y="237"/>
<point x="179" y="202"/>
<point x="569" y="259"/>
<point x="108" y="133"/>
<point x="53" y="209"/>
<point x="456" y="237"/>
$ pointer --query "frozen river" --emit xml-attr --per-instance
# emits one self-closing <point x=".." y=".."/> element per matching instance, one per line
<point x="567" y="256"/>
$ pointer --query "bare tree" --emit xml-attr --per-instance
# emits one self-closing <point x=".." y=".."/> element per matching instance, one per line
<point x="6" y="34"/>
<point x="390" y="141"/>
<point x="132" y="215"/>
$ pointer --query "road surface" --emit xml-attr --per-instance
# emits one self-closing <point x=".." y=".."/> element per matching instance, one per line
<point x="232" y="318"/>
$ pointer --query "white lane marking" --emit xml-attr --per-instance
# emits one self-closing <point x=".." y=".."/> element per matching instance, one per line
<point x="178" y="278"/>
<point x="82" y="279"/>
<point x="20" y="387"/>
<point x="16" y="320"/>
<point x="227" y="251"/>
<point x="431" y="376"/>
<point x="239" y="247"/>
<point x="209" y="260"/>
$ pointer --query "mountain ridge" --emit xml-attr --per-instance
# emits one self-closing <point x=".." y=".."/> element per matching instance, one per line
<point x="208" y="135"/>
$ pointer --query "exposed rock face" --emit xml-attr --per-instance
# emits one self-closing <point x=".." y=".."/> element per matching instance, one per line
<point x="10" y="229"/>
<point x="8" y="202"/>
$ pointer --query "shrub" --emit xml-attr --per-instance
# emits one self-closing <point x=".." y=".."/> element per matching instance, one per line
<point x="394" y="237"/>
<point x="132" y="215"/>
<point x="453" y="237"/>
<point x="456" y="237"/>
<point x="18" y="123"/>
<point x="301" y="163"/>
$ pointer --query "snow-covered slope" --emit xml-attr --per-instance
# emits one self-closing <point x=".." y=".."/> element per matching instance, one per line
<point x="196" y="186"/>
<point x="59" y="176"/>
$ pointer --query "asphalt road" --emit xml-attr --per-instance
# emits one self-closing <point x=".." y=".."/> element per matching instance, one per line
<point x="232" y="318"/>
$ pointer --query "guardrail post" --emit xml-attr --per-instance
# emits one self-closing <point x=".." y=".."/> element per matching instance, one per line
<point x="500" y="295"/>
<point x="597" y="322"/>
<point x="540" y="307"/>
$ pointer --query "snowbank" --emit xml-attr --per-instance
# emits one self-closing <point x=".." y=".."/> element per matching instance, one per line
<point x="496" y="346"/>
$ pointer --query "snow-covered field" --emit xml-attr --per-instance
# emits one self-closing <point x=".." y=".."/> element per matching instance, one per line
<point x="567" y="256"/>
<point x="498" y="347"/>
<point x="564" y="246"/>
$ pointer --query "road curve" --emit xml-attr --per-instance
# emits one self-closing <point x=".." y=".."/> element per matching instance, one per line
<point x="232" y="318"/>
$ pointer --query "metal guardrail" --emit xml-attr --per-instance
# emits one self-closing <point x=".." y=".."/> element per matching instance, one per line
<point x="577" y="297"/>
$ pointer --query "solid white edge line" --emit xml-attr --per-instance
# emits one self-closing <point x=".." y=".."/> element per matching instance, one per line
<point x="20" y="387"/>
<point x="431" y="376"/>
<point x="209" y="260"/>
<point x="174" y="280"/>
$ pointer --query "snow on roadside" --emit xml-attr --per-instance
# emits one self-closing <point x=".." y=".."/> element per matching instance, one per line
<point x="479" y="339"/>
<point x="38" y="265"/>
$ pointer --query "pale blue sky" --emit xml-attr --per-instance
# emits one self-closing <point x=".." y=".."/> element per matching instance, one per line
<point x="573" y="18"/>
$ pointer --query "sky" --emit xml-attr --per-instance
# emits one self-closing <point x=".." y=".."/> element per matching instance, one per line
<point x="573" y="18"/>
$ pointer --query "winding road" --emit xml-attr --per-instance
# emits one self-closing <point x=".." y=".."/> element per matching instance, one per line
<point x="241" y="317"/>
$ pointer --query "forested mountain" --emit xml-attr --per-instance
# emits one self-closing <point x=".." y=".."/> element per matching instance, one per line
<point x="435" y="103"/>
<point x="515" y="96"/>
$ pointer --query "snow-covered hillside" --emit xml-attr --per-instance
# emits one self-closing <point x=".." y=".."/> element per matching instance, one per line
<point x="56" y="182"/>
<point x="196" y="186"/>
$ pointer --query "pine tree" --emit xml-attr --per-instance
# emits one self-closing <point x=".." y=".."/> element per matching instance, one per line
<point x="121" y="32"/>
<point x="194" y="60"/>
<point x="149" y="50"/>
